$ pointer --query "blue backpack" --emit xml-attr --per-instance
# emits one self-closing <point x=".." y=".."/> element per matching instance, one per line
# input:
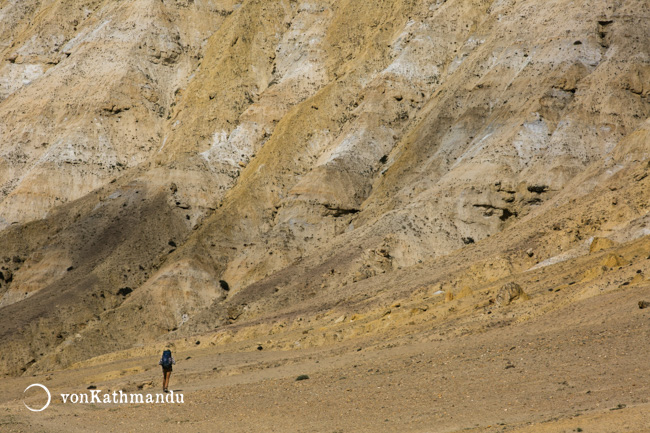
<point x="166" y="360"/>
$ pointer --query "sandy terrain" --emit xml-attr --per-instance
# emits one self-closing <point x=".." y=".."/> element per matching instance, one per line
<point x="580" y="365"/>
<point x="437" y="210"/>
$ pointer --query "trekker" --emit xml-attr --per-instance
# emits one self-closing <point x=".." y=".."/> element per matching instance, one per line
<point x="166" y="361"/>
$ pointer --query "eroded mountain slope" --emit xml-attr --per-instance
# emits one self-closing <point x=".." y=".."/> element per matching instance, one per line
<point x="182" y="165"/>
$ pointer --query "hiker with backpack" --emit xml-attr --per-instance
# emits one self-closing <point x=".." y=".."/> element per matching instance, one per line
<point x="166" y="362"/>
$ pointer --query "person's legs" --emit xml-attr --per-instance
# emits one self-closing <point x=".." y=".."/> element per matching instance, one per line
<point x="164" y="379"/>
<point x="167" y="374"/>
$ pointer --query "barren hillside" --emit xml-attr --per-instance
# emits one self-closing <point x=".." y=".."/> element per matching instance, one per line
<point x="301" y="177"/>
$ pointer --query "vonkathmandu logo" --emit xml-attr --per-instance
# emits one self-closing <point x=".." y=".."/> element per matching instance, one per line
<point x="49" y="397"/>
<point x="96" y="396"/>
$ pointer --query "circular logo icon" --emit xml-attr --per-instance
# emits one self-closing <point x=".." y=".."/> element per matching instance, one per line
<point x="49" y="397"/>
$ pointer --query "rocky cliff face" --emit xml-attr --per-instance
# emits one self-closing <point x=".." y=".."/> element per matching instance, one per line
<point x="173" y="167"/>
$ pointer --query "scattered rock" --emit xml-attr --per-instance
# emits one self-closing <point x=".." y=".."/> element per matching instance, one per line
<point x="112" y="108"/>
<point x="637" y="279"/>
<point x="593" y="273"/>
<point x="600" y="244"/>
<point x="302" y="377"/>
<point x="6" y="275"/>
<point x="124" y="291"/>
<point x="145" y="385"/>
<point x="510" y="292"/>
<point x="644" y="304"/>
<point x="538" y="189"/>
<point x="419" y="309"/>
<point x="614" y="261"/>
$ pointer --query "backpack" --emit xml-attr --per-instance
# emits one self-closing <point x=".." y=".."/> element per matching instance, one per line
<point x="166" y="360"/>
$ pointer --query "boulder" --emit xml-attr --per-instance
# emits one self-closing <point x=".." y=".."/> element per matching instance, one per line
<point x="599" y="244"/>
<point x="510" y="292"/>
